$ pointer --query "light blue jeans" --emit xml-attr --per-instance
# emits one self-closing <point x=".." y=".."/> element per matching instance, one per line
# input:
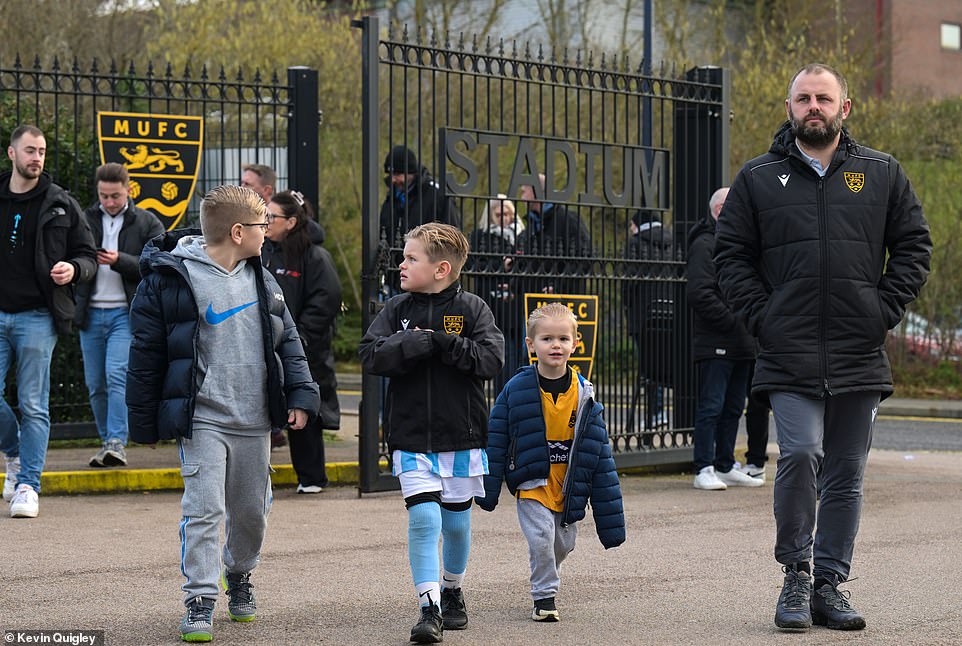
<point x="27" y="338"/>
<point x="106" y="345"/>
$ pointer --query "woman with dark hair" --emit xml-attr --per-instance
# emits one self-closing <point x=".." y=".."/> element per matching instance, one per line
<point x="306" y="274"/>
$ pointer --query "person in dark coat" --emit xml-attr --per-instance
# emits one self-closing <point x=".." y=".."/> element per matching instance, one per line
<point x="312" y="290"/>
<point x="45" y="251"/>
<point x="491" y="244"/>
<point x="723" y="354"/>
<point x="820" y="246"/>
<point x="649" y="308"/>
<point x="413" y="198"/>
<point x="120" y="229"/>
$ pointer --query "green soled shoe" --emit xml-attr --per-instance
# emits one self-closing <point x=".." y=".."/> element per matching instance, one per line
<point x="198" y="623"/>
<point x="241" y="605"/>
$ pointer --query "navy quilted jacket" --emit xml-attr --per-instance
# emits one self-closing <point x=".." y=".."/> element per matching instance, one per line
<point x="518" y="452"/>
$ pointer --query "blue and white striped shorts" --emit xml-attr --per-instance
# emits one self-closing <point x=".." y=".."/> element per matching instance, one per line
<point x="458" y="475"/>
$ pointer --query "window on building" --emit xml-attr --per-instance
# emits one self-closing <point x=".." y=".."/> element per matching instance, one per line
<point x="951" y="36"/>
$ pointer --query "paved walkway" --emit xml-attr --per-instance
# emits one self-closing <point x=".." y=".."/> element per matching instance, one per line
<point x="697" y="569"/>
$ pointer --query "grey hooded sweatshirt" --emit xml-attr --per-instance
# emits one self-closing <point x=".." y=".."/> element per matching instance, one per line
<point x="231" y="368"/>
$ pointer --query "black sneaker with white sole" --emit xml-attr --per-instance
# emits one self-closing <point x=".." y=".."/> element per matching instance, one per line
<point x="545" y="610"/>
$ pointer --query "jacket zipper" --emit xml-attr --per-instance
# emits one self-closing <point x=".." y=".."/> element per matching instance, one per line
<point x="576" y="442"/>
<point x="429" y="407"/>
<point x="823" y="296"/>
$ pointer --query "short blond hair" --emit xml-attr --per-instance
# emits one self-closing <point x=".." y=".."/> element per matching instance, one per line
<point x="442" y="242"/>
<point x="551" y="311"/>
<point x="227" y="205"/>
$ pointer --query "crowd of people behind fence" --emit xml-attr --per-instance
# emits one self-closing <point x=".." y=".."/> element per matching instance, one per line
<point x="778" y="319"/>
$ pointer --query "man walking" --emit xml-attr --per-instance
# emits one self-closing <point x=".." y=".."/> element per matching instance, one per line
<point x="723" y="353"/>
<point x="821" y="244"/>
<point x="121" y="229"/>
<point x="46" y="249"/>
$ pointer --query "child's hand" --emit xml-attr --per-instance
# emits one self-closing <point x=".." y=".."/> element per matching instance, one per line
<point x="296" y="419"/>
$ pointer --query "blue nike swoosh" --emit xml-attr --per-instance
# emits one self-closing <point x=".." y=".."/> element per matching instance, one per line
<point x="214" y="318"/>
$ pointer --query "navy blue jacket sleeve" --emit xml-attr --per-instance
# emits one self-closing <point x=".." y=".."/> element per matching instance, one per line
<point x="497" y="452"/>
<point x="147" y="363"/>
<point x="607" y="506"/>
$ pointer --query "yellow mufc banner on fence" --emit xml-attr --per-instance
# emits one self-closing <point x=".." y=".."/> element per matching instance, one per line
<point x="585" y="309"/>
<point x="162" y="155"/>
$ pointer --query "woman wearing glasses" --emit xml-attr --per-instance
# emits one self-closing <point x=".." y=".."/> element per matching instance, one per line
<point x="306" y="274"/>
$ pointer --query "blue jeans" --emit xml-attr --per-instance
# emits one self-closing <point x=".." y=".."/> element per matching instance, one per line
<point x="27" y="338"/>
<point x="721" y="400"/>
<point x="105" y="345"/>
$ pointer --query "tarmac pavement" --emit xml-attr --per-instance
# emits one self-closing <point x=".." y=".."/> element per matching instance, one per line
<point x="697" y="568"/>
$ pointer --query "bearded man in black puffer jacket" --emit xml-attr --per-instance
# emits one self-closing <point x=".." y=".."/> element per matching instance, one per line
<point x="820" y="246"/>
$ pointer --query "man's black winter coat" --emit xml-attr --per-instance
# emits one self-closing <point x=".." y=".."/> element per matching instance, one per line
<point x="820" y="268"/>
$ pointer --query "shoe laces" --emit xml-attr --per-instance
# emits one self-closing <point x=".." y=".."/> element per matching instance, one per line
<point x="794" y="590"/>
<point x="836" y="598"/>
<point x="452" y="599"/>
<point x="198" y="612"/>
<point x="240" y="588"/>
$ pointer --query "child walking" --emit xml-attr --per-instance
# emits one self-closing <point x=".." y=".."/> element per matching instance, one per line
<point x="548" y="441"/>
<point x="437" y="344"/>
<point x="214" y="363"/>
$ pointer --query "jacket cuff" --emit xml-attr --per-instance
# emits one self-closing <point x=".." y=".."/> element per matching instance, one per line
<point x="442" y="341"/>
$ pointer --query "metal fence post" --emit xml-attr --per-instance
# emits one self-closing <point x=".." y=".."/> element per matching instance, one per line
<point x="702" y="158"/>
<point x="302" y="133"/>
<point x="369" y="423"/>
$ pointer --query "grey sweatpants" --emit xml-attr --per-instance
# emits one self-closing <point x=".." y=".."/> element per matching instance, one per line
<point x="823" y="446"/>
<point x="226" y="477"/>
<point x="548" y="545"/>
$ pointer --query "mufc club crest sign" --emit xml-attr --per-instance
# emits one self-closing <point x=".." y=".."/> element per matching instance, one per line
<point x="162" y="155"/>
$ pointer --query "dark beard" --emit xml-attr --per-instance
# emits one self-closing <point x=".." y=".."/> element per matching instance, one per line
<point x="27" y="173"/>
<point x="817" y="136"/>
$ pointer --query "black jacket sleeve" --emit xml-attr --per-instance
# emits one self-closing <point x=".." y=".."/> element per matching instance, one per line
<point x="386" y="352"/>
<point x="909" y="248"/>
<point x="147" y="363"/>
<point x="321" y="300"/>
<point x="737" y="249"/>
<point x="146" y="228"/>
<point x="702" y="287"/>
<point x="81" y="251"/>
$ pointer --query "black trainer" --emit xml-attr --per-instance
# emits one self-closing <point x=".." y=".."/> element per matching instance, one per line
<point x="830" y="607"/>
<point x="793" y="612"/>
<point x="453" y="610"/>
<point x="545" y="610"/>
<point x="429" y="629"/>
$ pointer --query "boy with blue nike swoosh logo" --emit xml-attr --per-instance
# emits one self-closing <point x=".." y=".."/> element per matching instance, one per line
<point x="215" y="362"/>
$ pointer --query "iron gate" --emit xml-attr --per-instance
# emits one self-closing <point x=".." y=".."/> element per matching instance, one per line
<point x="615" y="145"/>
<point x="255" y="120"/>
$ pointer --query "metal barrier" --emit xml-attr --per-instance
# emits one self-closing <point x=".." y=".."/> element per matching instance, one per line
<point x="616" y="144"/>
<point x="255" y="120"/>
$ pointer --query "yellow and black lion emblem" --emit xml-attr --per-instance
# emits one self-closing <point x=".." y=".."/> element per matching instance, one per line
<point x="855" y="181"/>
<point x="453" y="324"/>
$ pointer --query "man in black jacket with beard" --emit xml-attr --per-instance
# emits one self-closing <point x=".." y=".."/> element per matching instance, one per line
<point x="801" y="256"/>
<point x="45" y="249"/>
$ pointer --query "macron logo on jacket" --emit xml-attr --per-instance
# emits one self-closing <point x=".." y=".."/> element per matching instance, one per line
<point x="215" y="318"/>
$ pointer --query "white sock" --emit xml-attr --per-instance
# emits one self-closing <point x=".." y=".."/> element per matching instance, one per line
<point x="449" y="581"/>
<point x="429" y="592"/>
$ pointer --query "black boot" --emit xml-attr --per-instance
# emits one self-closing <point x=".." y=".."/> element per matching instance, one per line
<point x="428" y="629"/>
<point x="830" y="606"/>
<point x="793" y="612"/>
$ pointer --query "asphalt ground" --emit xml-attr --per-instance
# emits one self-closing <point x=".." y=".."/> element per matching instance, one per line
<point x="697" y="568"/>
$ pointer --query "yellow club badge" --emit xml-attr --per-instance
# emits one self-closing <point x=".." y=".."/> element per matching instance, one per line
<point x="855" y="181"/>
<point x="453" y="324"/>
